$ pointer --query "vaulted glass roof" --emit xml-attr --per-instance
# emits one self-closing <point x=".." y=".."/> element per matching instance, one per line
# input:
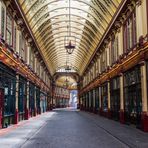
<point x="49" y="22"/>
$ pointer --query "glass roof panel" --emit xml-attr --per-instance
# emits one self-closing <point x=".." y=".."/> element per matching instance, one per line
<point x="52" y="20"/>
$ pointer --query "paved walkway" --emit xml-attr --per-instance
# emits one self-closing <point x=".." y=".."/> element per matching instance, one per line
<point x="72" y="129"/>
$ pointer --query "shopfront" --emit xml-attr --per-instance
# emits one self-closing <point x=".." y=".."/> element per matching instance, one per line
<point x="94" y="100"/>
<point x="31" y="99"/>
<point x="133" y="96"/>
<point x="38" y="108"/>
<point x="90" y="100"/>
<point x="87" y="101"/>
<point x="97" y="99"/>
<point x="22" y="97"/>
<point x="115" y="98"/>
<point x="104" y="98"/>
<point x="43" y="104"/>
<point x="1" y="104"/>
<point x="147" y="76"/>
<point x="8" y="88"/>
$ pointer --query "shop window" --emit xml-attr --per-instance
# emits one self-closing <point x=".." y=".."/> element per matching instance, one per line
<point x="14" y="38"/>
<point x="9" y="28"/>
<point x="133" y="96"/>
<point x="8" y="80"/>
<point x="22" y="98"/>
<point x="104" y="90"/>
<point x="115" y="97"/>
<point x="31" y="97"/>
<point x="38" y="99"/>
<point x="9" y="92"/>
<point x="103" y="60"/>
<point x="22" y="46"/>
<point x="97" y="99"/>
<point x="38" y="67"/>
<point x="3" y="21"/>
<point x="114" y="50"/>
<point x="130" y="32"/>
<point x="31" y="59"/>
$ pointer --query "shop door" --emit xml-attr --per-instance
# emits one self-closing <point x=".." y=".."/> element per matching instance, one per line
<point x="135" y="105"/>
<point x="115" y="104"/>
<point x="1" y="106"/>
<point x="97" y="100"/>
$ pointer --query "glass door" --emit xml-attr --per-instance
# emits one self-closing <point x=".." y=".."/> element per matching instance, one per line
<point x="97" y="99"/>
<point x="1" y="106"/>
<point x="22" y="97"/>
<point x="104" y="97"/>
<point x="38" y="100"/>
<point x="133" y="97"/>
<point x="31" y="99"/>
<point x="115" y="97"/>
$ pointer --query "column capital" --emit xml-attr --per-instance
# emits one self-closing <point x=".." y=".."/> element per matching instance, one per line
<point x="120" y="74"/>
<point x="142" y="63"/>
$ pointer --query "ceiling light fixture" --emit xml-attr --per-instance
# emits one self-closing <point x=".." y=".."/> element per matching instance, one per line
<point x="69" y="41"/>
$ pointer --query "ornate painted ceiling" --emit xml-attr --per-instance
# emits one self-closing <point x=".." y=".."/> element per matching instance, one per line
<point x="49" y="22"/>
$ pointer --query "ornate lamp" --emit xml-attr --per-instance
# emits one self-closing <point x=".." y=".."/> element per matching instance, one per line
<point x="70" y="46"/>
<point x="67" y="68"/>
<point x="69" y="41"/>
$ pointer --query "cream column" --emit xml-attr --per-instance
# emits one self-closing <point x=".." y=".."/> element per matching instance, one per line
<point x="144" y="87"/>
<point x="27" y="103"/>
<point x="122" y="120"/>
<point x="17" y="91"/>
<point x="35" y="109"/>
<point x="28" y="53"/>
<point x="35" y="64"/>
<point x="141" y="18"/>
<point x="89" y="94"/>
<point x="16" y="100"/>
<point x="94" y="98"/>
<point x="121" y="93"/>
<point x="17" y="39"/>
<point x="108" y="86"/>
<point x="120" y="41"/>
<point x="100" y="106"/>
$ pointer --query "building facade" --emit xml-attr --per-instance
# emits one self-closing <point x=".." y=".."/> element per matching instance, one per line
<point x="24" y="78"/>
<point x="115" y="83"/>
<point x="61" y="97"/>
<point x="110" y="67"/>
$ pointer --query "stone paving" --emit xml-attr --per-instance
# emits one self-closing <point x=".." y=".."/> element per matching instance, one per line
<point x="66" y="128"/>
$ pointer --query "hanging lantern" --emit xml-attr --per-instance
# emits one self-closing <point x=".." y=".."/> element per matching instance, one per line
<point x="70" y="43"/>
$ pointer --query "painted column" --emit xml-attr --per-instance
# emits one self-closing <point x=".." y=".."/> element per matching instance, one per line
<point x="28" y="53"/>
<point x="89" y="94"/>
<point x="16" y="116"/>
<point x="144" y="118"/>
<point x="121" y="99"/>
<point x="35" y="64"/>
<point x="35" y="108"/>
<point x="142" y="26"/>
<point x="108" y="89"/>
<point x="94" y="100"/>
<point x="27" y="103"/>
<point x="17" y="39"/>
<point x="87" y="100"/>
<point x="100" y="102"/>
<point x="1" y="104"/>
